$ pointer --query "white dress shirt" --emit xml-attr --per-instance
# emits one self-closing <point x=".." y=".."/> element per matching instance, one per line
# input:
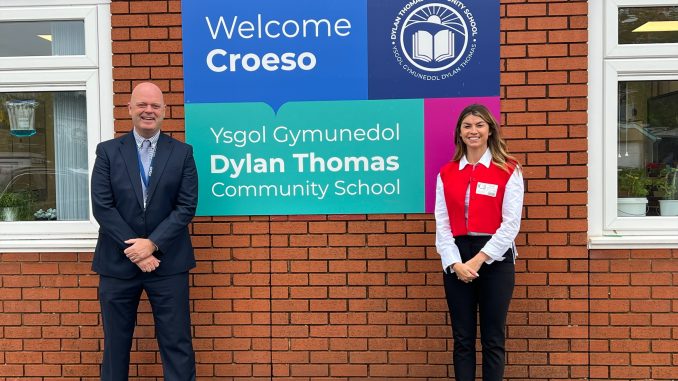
<point x="502" y="239"/>
<point x="140" y="139"/>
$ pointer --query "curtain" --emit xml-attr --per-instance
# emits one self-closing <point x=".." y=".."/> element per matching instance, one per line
<point x="70" y="132"/>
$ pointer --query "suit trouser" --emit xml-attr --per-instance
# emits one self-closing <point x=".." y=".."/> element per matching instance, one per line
<point x="169" y="300"/>
<point x="489" y="294"/>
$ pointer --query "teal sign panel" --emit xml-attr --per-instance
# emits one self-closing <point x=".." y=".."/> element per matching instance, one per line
<point x="328" y="157"/>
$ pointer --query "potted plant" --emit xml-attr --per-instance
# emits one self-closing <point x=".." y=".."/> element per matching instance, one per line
<point x="45" y="215"/>
<point x="667" y="184"/>
<point x="633" y="187"/>
<point x="10" y="204"/>
<point x="13" y="205"/>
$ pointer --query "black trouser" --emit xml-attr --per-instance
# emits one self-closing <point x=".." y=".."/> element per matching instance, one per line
<point x="490" y="294"/>
<point x="168" y="295"/>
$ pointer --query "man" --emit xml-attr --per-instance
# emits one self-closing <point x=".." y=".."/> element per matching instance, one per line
<point x="144" y="195"/>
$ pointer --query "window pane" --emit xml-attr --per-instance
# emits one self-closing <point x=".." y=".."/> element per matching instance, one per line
<point x="43" y="156"/>
<point x="647" y="146"/>
<point x="42" y="38"/>
<point x="648" y="25"/>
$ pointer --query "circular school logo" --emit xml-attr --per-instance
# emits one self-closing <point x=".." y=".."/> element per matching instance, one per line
<point x="435" y="40"/>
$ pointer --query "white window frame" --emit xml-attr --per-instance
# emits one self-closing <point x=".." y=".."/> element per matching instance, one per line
<point x="610" y="63"/>
<point x="91" y="73"/>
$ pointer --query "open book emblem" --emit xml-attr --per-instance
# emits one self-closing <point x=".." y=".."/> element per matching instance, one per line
<point x="436" y="38"/>
<point x="428" y="47"/>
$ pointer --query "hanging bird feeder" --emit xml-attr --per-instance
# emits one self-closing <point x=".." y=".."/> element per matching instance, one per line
<point x="21" y="117"/>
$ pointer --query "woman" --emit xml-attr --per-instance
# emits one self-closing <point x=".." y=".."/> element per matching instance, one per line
<point x="479" y="200"/>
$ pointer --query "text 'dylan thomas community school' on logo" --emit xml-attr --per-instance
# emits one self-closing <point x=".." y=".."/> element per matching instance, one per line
<point x="436" y="40"/>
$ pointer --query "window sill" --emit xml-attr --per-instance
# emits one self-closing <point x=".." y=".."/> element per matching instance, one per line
<point x="633" y="242"/>
<point x="51" y="244"/>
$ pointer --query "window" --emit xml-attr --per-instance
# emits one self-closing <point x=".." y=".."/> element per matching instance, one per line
<point x="42" y="38"/>
<point x="647" y="25"/>
<point x="647" y="152"/>
<point x="55" y="106"/>
<point x="43" y="156"/>
<point x="633" y="123"/>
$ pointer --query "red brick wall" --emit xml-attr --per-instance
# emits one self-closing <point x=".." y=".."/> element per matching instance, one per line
<point x="634" y="314"/>
<point x="355" y="297"/>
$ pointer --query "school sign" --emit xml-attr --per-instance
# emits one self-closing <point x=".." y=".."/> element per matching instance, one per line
<point x="331" y="107"/>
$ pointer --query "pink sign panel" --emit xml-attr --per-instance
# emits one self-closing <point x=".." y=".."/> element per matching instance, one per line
<point x="440" y="118"/>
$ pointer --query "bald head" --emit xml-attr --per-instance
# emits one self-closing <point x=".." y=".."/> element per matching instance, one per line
<point x="147" y="109"/>
<point x="146" y="88"/>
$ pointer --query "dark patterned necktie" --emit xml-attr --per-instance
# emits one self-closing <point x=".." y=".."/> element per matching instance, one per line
<point x="145" y="154"/>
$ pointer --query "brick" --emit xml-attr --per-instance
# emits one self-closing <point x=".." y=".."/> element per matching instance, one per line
<point x="570" y="117"/>
<point x="309" y="370"/>
<point x="567" y="91"/>
<point x="388" y="371"/>
<point x="39" y="268"/>
<point x="130" y="73"/>
<point x="629" y="372"/>
<point x="164" y="19"/>
<point x="524" y="37"/>
<point x="568" y="145"/>
<point x="546" y="105"/>
<point x="128" y="21"/>
<point x="516" y="23"/>
<point x="150" y="60"/>
<point x="526" y="64"/>
<point x="567" y="63"/>
<point x="568" y="36"/>
<point x="348" y="266"/>
<point x="165" y="47"/>
<point x="11" y="370"/>
<point x="578" y="50"/>
<point x="513" y="105"/>
<point x="568" y="358"/>
<point x="149" y="34"/>
<point x="569" y="225"/>
<point x="531" y="118"/>
<point x="526" y="92"/>
<point x="386" y="239"/>
<point x="568" y="8"/>
<point x="546" y="23"/>
<point x="512" y="51"/>
<point x="346" y="370"/>
<point x="148" y="7"/>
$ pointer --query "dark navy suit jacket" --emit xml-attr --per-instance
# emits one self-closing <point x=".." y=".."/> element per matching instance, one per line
<point x="117" y="204"/>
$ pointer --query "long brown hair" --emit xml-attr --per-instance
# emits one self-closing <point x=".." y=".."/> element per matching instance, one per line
<point x="497" y="145"/>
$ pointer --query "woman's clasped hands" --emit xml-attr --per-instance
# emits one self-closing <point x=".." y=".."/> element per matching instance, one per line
<point x="468" y="271"/>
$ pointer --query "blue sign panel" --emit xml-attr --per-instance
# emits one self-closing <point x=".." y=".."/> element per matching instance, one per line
<point x="274" y="51"/>
<point x="433" y="49"/>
